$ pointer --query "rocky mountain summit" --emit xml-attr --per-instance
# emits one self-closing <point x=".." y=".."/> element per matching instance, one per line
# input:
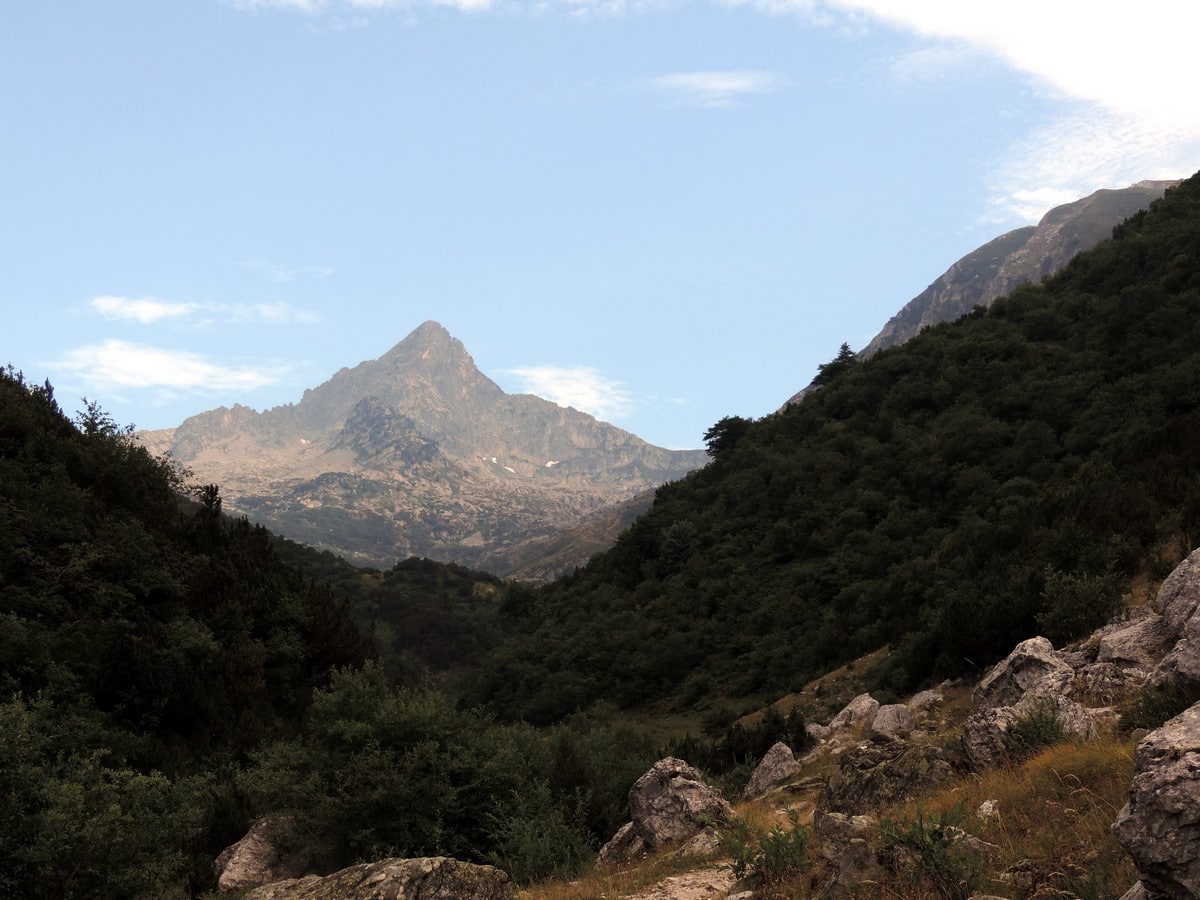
<point x="418" y="453"/>
<point x="1022" y="255"/>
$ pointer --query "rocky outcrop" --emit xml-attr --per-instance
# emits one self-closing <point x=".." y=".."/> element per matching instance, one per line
<point x="431" y="878"/>
<point x="671" y="802"/>
<point x="858" y="712"/>
<point x="892" y="722"/>
<point x="1160" y="825"/>
<point x="777" y="767"/>
<point x="418" y="453"/>
<point x="1032" y="666"/>
<point x="257" y="859"/>
<point x="873" y="777"/>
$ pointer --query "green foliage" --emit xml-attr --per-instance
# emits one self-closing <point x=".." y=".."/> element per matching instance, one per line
<point x="777" y="856"/>
<point x="735" y="747"/>
<point x="936" y="844"/>
<point x="1155" y="705"/>
<point x="1041" y="727"/>
<point x="538" y="835"/>
<point x="725" y="434"/>
<point x="1012" y="470"/>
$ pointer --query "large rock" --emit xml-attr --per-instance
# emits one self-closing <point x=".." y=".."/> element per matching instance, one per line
<point x="1142" y="644"/>
<point x="625" y="845"/>
<point x="1179" y="595"/>
<point x="432" y="878"/>
<point x="859" y="711"/>
<point x="873" y="777"/>
<point x="987" y="733"/>
<point x="892" y="722"/>
<point x="256" y="859"/>
<point x="669" y="803"/>
<point x="1032" y="666"/>
<point x="1160" y="825"/>
<point x="777" y="767"/>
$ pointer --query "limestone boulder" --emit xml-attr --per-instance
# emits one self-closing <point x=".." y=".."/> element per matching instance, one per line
<point x="1160" y="825"/>
<point x="431" y="878"/>
<point x="923" y="701"/>
<point x="892" y="722"/>
<point x="987" y="733"/>
<point x="671" y="802"/>
<point x="623" y="846"/>
<point x="257" y="858"/>
<point x="777" y="767"/>
<point x="1179" y="595"/>
<point x="858" y="712"/>
<point x="1032" y="666"/>
<point x="1141" y="644"/>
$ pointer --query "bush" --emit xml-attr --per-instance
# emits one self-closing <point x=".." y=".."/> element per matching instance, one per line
<point x="780" y="854"/>
<point x="1156" y="705"/>
<point x="936" y="843"/>
<point x="1040" y="727"/>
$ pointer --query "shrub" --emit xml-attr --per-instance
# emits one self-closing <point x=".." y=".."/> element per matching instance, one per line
<point x="1040" y="727"/>
<point x="780" y="854"/>
<point x="941" y="856"/>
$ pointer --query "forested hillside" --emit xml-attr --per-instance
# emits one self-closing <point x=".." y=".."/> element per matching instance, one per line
<point x="168" y="675"/>
<point x="1004" y="475"/>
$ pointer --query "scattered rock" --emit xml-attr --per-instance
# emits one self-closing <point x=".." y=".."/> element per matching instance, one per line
<point x="625" y="845"/>
<point x="1160" y="825"/>
<point x="704" y="845"/>
<point x="986" y="734"/>
<point x="859" y="711"/>
<point x="1032" y="666"/>
<point x="778" y="767"/>
<point x="924" y="701"/>
<point x="892" y="722"/>
<point x="432" y="878"/>
<point x="988" y="809"/>
<point x="1137" y="892"/>
<point x="1179" y="595"/>
<point x="817" y="732"/>
<point x="669" y="803"/>
<point x="256" y="859"/>
<point x="1108" y="682"/>
<point x="834" y="830"/>
<point x="1139" y="645"/>
<point x="874" y="776"/>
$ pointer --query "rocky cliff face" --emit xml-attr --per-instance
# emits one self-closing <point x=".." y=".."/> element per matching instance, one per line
<point x="1023" y="255"/>
<point x="1026" y="254"/>
<point x="418" y="453"/>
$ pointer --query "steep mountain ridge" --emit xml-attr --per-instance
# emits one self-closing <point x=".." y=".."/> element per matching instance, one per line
<point x="1024" y="254"/>
<point x="419" y="453"/>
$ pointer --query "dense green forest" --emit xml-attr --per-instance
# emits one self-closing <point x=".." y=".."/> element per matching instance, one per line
<point x="169" y="674"/>
<point x="990" y="479"/>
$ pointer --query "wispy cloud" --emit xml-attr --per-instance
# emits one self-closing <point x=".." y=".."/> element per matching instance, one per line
<point x="122" y="366"/>
<point x="144" y="309"/>
<point x="1123" y="79"/>
<point x="582" y="387"/>
<point x="716" y="89"/>
<point x="276" y="272"/>
<point x="319" y="7"/>
<point x="150" y="310"/>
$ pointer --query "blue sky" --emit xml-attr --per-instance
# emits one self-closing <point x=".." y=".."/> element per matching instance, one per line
<point x="659" y="212"/>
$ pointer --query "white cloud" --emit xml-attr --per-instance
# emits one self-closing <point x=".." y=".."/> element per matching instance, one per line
<point x="149" y="310"/>
<point x="582" y="387"/>
<point x="281" y="273"/>
<point x="1123" y="75"/>
<point x="120" y="365"/>
<point x="716" y="89"/>
<point x="145" y="309"/>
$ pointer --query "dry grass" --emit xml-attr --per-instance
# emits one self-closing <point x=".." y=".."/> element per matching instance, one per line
<point x="612" y="883"/>
<point x="1053" y="828"/>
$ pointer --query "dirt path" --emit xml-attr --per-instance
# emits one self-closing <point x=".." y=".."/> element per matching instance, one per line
<point x="702" y="884"/>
